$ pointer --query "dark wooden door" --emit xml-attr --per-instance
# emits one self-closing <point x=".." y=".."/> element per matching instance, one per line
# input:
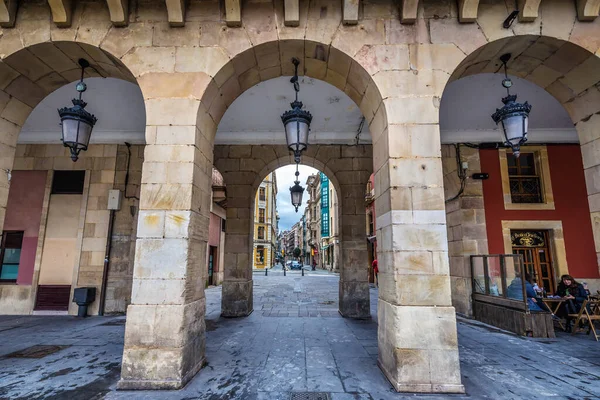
<point x="537" y="259"/>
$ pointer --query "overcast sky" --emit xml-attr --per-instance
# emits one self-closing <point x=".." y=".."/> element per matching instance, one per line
<point x="285" y="180"/>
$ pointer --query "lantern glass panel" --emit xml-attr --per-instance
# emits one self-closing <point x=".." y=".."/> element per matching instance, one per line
<point x="296" y="198"/>
<point x="296" y="134"/>
<point x="77" y="132"/>
<point x="513" y="128"/>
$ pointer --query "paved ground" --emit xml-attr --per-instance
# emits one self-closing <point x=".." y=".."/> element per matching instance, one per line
<point x="294" y="342"/>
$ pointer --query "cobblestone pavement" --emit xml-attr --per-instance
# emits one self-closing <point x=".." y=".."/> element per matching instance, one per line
<point x="295" y="341"/>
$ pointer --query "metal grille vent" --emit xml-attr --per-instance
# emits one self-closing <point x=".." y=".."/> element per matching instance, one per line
<point x="310" y="396"/>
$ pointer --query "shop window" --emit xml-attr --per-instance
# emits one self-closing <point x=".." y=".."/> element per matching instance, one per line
<point x="260" y="255"/>
<point x="526" y="183"/>
<point x="262" y="196"/>
<point x="261" y="232"/>
<point x="11" y="256"/>
<point x="524" y="180"/>
<point x="261" y="215"/>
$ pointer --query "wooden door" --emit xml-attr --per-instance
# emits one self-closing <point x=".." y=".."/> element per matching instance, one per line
<point x="537" y="260"/>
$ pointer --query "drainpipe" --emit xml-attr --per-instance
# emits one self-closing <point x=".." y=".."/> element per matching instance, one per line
<point x="106" y="263"/>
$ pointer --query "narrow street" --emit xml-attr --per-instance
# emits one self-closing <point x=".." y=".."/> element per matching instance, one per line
<point x="294" y="341"/>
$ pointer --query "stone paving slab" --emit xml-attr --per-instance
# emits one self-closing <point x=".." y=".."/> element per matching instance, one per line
<point x="266" y="357"/>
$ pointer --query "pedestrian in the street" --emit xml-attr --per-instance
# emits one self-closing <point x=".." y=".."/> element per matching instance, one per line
<point x="376" y="271"/>
<point x="314" y="264"/>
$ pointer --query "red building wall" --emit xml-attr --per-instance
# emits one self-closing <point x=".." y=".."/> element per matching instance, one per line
<point x="571" y="207"/>
<point x="23" y="213"/>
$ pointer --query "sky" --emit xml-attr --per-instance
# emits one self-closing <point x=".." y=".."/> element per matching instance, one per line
<point x="285" y="179"/>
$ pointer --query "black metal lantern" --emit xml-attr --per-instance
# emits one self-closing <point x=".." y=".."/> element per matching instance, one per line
<point x="513" y="116"/>
<point x="77" y="123"/>
<point x="296" y="191"/>
<point x="296" y="121"/>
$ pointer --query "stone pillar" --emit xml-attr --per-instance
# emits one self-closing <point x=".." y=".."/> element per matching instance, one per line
<point x="418" y="346"/>
<point x="466" y="227"/>
<point x="239" y="166"/>
<point x="352" y="175"/>
<point x="164" y="335"/>
<point x="589" y="138"/>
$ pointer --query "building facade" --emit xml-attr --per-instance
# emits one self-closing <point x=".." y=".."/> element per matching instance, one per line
<point x="371" y="224"/>
<point x="400" y="68"/>
<point x="265" y="223"/>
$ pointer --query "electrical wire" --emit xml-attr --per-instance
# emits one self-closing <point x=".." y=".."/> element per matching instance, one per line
<point x="462" y="174"/>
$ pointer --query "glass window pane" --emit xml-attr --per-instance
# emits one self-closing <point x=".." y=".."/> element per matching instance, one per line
<point x="9" y="271"/>
<point x="478" y="275"/>
<point x="514" y="283"/>
<point x="12" y="256"/>
<point x="495" y="276"/>
<point x="14" y="240"/>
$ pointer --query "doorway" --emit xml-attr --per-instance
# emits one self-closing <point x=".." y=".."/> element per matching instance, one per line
<point x="534" y="248"/>
<point x="212" y="256"/>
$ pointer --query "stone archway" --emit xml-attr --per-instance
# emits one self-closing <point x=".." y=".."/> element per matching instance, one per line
<point x="570" y="73"/>
<point x="411" y="229"/>
<point x="244" y="167"/>
<point x="37" y="75"/>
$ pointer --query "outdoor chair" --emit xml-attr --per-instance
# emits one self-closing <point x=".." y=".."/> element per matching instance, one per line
<point x="590" y="312"/>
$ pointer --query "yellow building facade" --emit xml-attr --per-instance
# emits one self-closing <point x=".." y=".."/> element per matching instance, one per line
<point x="265" y="223"/>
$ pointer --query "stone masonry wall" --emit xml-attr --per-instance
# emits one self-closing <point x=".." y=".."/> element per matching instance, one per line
<point x="100" y="161"/>
<point x="120" y="272"/>
<point x="465" y="218"/>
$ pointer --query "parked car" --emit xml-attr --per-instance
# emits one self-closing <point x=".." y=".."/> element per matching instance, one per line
<point x="296" y="265"/>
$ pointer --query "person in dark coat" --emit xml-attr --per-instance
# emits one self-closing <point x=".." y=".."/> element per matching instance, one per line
<point x="574" y="294"/>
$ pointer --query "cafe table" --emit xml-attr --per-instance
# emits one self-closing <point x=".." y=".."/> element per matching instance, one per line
<point x="554" y="303"/>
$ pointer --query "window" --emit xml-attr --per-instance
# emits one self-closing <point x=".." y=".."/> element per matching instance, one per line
<point x="261" y="232"/>
<point x="260" y="255"/>
<point x="371" y="227"/>
<point x="223" y="224"/>
<point x="524" y="180"/>
<point x="68" y="182"/>
<point x="262" y="196"/>
<point x="11" y="255"/>
<point x="261" y="215"/>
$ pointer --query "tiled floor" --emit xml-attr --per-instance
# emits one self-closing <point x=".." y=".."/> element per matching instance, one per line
<point x="270" y="354"/>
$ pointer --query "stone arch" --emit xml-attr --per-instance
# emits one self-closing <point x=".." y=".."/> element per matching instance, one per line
<point x="230" y="78"/>
<point x="30" y="73"/>
<point x="570" y="73"/>
<point x="245" y="166"/>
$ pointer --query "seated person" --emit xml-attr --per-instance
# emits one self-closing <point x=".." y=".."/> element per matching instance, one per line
<point x="574" y="294"/>
<point x="515" y="291"/>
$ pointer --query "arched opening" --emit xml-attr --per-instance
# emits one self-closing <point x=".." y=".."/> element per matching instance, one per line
<point x="548" y="192"/>
<point x="62" y="243"/>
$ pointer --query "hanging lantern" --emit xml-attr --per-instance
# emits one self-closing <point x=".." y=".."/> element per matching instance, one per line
<point x="77" y="123"/>
<point x="513" y="116"/>
<point x="296" y="191"/>
<point x="296" y="121"/>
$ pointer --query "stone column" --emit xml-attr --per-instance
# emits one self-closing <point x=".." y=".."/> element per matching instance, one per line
<point x="164" y="335"/>
<point x="465" y="215"/>
<point x="589" y="138"/>
<point x="418" y="347"/>
<point x="239" y="167"/>
<point x="352" y="175"/>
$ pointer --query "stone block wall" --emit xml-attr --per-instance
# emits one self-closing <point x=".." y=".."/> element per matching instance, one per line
<point x="100" y="162"/>
<point x="120" y="272"/>
<point x="465" y="224"/>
